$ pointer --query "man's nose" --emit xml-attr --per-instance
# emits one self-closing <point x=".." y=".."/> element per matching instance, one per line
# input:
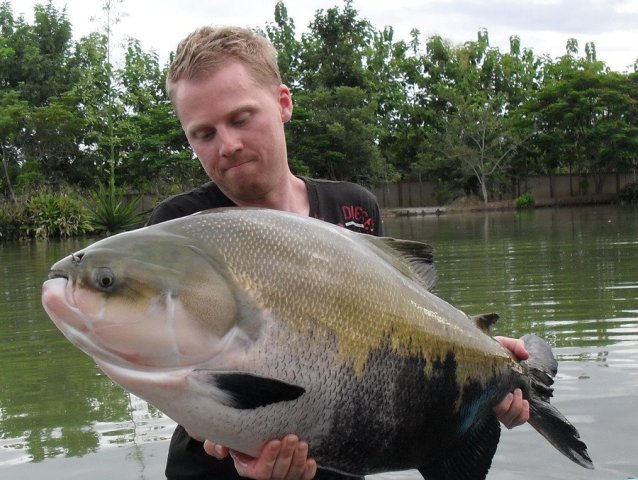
<point x="230" y="142"/>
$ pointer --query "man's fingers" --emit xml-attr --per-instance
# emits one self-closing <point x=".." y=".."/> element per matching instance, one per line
<point x="514" y="345"/>
<point x="261" y="467"/>
<point x="287" y="461"/>
<point x="216" y="450"/>
<point x="513" y="410"/>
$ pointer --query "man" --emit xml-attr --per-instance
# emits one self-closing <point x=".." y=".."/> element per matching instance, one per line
<point x="227" y="92"/>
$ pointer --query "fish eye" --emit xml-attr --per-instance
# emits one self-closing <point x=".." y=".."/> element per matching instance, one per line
<point x="104" y="278"/>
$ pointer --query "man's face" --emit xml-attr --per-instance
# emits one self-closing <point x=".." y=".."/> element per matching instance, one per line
<point x="235" y="127"/>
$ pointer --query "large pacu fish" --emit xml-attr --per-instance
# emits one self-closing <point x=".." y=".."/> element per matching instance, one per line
<point x="245" y="325"/>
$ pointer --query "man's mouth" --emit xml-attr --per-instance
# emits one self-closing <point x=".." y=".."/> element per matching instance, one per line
<point x="237" y="165"/>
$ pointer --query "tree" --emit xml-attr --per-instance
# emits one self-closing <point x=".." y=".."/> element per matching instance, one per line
<point x="153" y="145"/>
<point x="391" y="72"/>
<point x="13" y="115"/>
<point x="91" y="89"/>
<point x="333" y="49"/>
<point x="586" y="119"/>
<point x="481" y="138"/>
<point x="35" y="67"/>
<point x="333" y="132"/>
<point x="282" y="35"/>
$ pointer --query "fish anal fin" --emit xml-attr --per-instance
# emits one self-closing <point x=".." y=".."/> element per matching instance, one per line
<point x="245" y="390"/>
<point x="471" y="457"/>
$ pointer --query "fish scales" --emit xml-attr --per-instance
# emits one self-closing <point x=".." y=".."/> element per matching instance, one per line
<point x="245" y="325"/>
<point x="375" y="308"/>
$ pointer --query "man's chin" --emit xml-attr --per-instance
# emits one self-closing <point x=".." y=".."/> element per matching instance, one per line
<point x="245" y="188"/>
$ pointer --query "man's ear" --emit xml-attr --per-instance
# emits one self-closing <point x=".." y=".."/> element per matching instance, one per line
<point x="285" y="102"/>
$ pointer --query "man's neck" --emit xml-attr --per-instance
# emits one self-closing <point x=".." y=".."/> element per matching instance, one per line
<point x="290" y="195"/>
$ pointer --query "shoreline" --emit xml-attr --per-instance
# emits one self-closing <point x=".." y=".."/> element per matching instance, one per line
<point x="466" y="205"/>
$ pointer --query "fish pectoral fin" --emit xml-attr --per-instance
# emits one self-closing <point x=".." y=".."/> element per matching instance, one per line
<point x="470" y="457"/>
<point x="245" y="390"/>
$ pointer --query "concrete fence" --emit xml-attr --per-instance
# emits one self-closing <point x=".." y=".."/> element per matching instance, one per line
<point x="546" y="189"/>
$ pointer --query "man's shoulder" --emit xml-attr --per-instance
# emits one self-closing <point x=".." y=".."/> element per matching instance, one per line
<point x="346" y="204"/>
<point x="200" y="198"/>
<point x="341" y="188"/>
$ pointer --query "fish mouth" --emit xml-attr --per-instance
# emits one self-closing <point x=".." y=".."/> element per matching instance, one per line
<point x="59" y="302"/>
<point x="53" y="274"/>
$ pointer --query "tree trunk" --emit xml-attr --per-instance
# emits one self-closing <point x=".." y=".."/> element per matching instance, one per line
<point x="6" y="175"/>
<point x="484" y="190"/>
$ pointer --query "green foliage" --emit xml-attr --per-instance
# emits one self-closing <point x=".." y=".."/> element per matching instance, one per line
<point x="12" y="221"/>
<point x="442" y="193"/>
<point x="332" y="53"/>
<point x="333" y="132"/>
<point x="368" y="108"/>
<point x="525" y="201"/>
<point x="55" y="215"/>
<point x="629" y="193"/>
<point x="30" y="179"/>
<point x="111" y="213"/>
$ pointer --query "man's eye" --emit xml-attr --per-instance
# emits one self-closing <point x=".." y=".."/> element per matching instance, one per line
<point x="241" y="120"/>
<point x="205" y="135"/>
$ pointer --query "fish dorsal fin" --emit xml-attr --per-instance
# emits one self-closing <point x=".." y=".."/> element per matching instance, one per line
<point x="485" y="321"/>
<point x="414" y="259"/>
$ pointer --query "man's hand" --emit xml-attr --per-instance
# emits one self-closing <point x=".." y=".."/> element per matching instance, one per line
<point x="513" y="409"/>
<point x="285" y="459"/>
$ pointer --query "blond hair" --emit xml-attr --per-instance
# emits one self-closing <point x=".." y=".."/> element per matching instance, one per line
<point x="207" y="48"/>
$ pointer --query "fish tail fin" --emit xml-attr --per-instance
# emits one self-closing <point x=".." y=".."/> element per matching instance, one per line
<point x="547" y="420"/>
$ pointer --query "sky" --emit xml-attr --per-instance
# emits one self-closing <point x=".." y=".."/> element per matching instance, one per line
<point x="542" y="25"/>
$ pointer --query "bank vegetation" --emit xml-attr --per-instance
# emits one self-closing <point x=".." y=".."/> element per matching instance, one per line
<point x="77" y="126"/>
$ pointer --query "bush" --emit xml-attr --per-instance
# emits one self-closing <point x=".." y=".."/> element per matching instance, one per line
<point x="629" y="193"/>
<point x="525" y="201"/>
<point x="55" y="215"/>
<point x="110" y="213"/>
<point x="12" y="221"/>
<point x="442" y="193"/>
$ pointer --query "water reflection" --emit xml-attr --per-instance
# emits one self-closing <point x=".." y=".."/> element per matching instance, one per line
<point x="53" y="399"/>
<point x="569" y="275"/>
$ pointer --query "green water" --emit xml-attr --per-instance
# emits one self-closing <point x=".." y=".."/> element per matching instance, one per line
<point x="570" y="275"/>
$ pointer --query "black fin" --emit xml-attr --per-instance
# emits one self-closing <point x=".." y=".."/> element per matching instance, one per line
<point x="548" y="421"/>
<point x="413" y="259"/>
<point x="471" y="458"/>
<point x="485" y="321"/>
<point x="245" y="390"/>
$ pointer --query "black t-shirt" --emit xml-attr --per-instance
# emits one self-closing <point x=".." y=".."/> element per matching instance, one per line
<point x="341" y="203"/>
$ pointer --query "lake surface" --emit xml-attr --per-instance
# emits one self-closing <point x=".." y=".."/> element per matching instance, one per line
<point x="569" y="275"/>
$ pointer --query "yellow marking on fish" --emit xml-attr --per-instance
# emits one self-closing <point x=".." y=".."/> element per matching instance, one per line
<point x="306" y="279"/>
